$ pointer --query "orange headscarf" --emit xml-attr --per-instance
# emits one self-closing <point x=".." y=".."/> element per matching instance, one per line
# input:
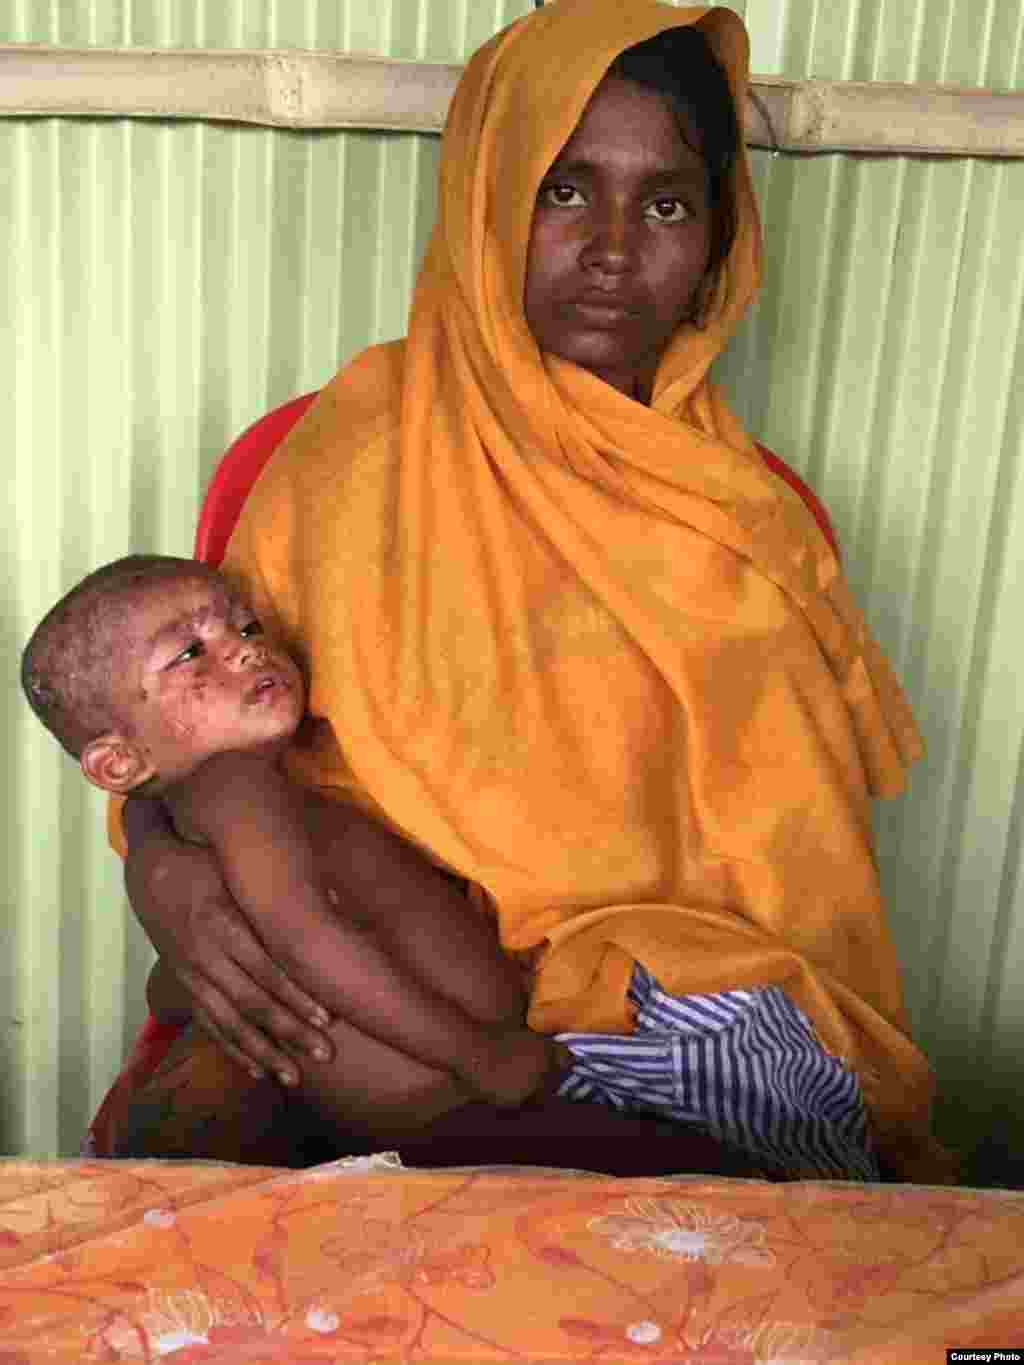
<point x="592" y="654"/>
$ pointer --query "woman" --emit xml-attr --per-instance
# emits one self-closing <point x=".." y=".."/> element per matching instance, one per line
<point x="568" y="632"/>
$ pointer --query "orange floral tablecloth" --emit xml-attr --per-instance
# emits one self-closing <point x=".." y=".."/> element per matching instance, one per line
<point x="364" y="1262"/>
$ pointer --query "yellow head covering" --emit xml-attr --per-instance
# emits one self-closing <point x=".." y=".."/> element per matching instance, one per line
<point x="592" y="654"/>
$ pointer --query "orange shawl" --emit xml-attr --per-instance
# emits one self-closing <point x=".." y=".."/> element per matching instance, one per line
<point x="592" y="654"/>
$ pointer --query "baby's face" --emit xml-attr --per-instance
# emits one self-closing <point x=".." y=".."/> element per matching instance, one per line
<point x="203" y="678"/>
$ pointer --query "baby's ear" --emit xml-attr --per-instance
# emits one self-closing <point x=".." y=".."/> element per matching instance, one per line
<point x="115" y="764"/>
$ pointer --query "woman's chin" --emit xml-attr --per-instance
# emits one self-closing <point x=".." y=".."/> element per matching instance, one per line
<point x="611" y="367"/>
<point x="607" y="359"/>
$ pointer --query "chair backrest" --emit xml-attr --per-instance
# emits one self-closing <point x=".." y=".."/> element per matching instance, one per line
<point x="239" y="468"/>
<point x="241" y="464"/>
<point x="811" y="501"/>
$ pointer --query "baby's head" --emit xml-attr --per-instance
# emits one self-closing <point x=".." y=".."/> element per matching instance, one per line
<point x="150" y="666"/>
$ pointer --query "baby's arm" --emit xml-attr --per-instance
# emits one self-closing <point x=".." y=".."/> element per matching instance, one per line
<point x="254" y="817"/>
<point x="424" y="919"/>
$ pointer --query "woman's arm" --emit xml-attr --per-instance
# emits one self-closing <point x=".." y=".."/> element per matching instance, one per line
<point x="239" y="995"/>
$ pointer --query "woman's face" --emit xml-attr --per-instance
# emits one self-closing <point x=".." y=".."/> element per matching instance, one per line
<point x="619" y="239"/>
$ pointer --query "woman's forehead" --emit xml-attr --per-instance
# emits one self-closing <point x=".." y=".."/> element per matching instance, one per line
<point x="625" y="122"/>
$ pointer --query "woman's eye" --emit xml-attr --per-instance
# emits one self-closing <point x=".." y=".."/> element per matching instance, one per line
<point x="562" y="196"/>
<point x="670" y="210"/>
<point x="251" y="628"/>
<point x="193" y="651"/>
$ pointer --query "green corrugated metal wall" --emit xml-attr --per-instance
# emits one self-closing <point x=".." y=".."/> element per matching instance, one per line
<point x="167" y="283"/>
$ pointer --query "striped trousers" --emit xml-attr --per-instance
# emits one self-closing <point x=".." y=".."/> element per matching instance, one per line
<point x="746" y="1066"/>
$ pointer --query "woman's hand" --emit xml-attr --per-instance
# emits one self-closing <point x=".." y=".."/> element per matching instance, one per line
<point x="240" y="996"/>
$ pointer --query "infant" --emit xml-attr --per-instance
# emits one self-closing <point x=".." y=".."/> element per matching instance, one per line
<point x="156" y="676"/>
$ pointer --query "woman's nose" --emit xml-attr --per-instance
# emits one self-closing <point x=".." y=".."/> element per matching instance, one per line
<point x="612" y="245"/>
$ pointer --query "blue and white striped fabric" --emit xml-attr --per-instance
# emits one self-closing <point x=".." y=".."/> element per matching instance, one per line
<point x="745" y="1066"/>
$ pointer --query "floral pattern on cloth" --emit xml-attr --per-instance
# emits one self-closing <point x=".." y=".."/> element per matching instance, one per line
<point x="365" y="1262"/>
<point x="675" y="1229"/>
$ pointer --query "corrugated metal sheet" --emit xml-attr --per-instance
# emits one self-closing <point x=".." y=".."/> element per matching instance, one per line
<point x="167" y="284"/>
<point x="885" y="362"/>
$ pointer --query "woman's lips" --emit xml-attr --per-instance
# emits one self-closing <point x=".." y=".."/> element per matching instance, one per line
<point x="602" y="312"/>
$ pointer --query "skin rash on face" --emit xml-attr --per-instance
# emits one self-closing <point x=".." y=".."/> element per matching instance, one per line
<point x="619" y="239"/>
<point x="202" y="678"/>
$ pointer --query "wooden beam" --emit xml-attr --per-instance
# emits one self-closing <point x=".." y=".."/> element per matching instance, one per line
<point x="290" y="88"/>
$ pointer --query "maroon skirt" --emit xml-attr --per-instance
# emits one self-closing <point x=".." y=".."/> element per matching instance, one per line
<point x="180" y="1096"/>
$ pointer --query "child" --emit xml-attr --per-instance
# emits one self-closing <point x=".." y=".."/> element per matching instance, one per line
<point x="154" y="674"/>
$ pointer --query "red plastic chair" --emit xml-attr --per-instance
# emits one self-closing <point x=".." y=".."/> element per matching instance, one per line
<point x="812" y="502"/>
<point x="240" y="466"/>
